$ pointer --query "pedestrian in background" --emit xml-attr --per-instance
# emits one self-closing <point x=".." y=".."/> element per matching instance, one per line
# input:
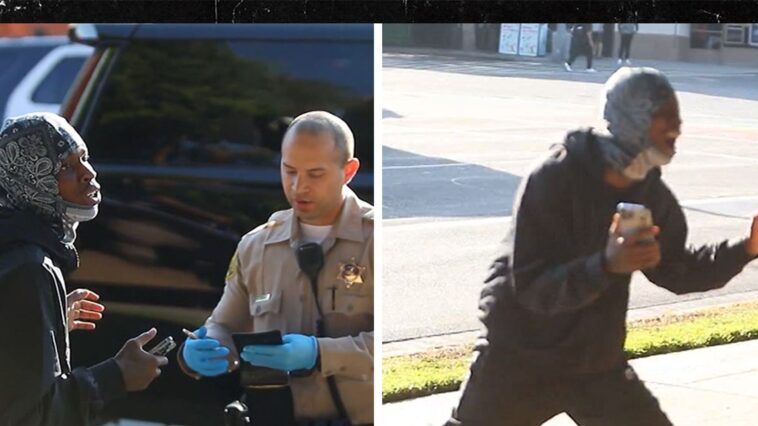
<point x="627" y="32"/>
<point x="581" y="45"/>
<point x="597" y="39"/>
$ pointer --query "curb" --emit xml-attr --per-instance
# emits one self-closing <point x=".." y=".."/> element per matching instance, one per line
<point x="454" y="53"/>
<point x="430" y="343"/>
<point x="655" y="335"/>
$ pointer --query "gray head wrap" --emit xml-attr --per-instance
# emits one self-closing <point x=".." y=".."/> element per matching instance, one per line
<point x="632" y="95"/>
<point x="32" y="150"/>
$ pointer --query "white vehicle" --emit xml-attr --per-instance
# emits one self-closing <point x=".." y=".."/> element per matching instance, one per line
<point x="39" y="72"/>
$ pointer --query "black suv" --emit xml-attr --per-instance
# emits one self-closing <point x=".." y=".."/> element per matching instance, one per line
<point x="184" y="125"/>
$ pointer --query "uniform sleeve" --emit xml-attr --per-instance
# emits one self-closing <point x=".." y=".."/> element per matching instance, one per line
<point x="686" y="269"/>
<point x="348" y="356"/>
<point x="28" y="361"/>
<point x="232" y="313"/>
<point x="549" y="277"/>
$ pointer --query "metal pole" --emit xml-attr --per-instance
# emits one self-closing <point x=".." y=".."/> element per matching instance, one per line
<point x="561" y="43"/>
<point x="468" y="34"/>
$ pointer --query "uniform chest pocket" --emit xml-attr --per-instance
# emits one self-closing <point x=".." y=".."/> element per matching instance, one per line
<point x="353" y="312"/>
<point x="265" y="305"/>
<point x="353" y="301"/>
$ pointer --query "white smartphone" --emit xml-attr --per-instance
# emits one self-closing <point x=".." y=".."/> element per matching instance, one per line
<point x="164" y="347"/>
<point x="633" y="218"/>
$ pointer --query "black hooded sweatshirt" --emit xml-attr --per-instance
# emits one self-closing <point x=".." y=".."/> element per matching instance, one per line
<point x="548" y="304"/>
<point x="37" y="385"/>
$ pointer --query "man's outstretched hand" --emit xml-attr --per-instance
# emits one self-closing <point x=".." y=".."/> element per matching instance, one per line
<point x="139" y="368"/>
<point x="81" y="305"/>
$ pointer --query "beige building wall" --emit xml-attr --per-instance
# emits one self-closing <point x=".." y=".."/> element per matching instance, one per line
<point x="671" y="42"/>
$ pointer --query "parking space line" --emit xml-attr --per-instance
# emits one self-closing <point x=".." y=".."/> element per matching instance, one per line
<point x="427" y="166"/>
<point x="744" y="159"/>
<point x="469" y="163"/>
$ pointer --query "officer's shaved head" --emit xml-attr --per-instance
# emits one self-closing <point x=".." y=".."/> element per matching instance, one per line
<point x="317" y="122"/>
<point x="317" y="162"/>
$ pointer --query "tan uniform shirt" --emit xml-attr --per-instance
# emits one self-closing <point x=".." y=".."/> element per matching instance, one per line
<point x="265" y="290"/>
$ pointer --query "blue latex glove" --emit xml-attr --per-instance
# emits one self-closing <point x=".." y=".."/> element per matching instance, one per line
<point x="298" y="352"/>
<point x="204" y="355"/>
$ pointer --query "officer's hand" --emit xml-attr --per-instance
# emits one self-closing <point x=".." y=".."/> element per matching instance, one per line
<point x="298" y="352"/>
<point x="204" y="355"/>
<point x="751" y="244"/>
<point x="138" y="367"/>
<point x="626" y="254"/>
<point x="80" y="305"/>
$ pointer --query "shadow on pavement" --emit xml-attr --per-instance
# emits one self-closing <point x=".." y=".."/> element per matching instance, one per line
<point x="419" y="186"/>
<point x="386" y="113"/>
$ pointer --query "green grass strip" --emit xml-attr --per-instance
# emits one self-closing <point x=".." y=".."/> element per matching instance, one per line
<point x="442" y="370"/>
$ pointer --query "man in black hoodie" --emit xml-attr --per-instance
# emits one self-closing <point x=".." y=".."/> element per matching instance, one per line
<point x="554" y="305"/>
<point x="581" y="44"/>
<point x="47" y="187"/>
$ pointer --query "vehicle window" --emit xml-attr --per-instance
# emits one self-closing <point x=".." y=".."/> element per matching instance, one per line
<point x="15" y="62"/>
<point x="227" y="102"/>
<point x="53" y="88"/>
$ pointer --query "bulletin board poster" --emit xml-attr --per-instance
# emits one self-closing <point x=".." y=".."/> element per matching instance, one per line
<point x="509" y="36"/>
<point x="529" y="38"/>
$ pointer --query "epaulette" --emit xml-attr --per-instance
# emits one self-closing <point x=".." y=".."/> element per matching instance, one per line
<point x="268" y="225"/>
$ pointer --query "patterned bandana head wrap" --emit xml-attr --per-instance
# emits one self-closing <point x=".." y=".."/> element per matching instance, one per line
<point x="632" y="95"/>
<point x="32" y="150"/>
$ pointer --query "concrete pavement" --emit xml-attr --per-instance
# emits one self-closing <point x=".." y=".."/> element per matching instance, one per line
<point x="460" y="132"/>
<point x="709" y="386"/>
<point x="546" y="64"/>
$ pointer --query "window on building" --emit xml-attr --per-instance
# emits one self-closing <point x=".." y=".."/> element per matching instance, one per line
<point x="753" y="36"/>
<point x="736" y="34"/>
<point x="706" y="36"/>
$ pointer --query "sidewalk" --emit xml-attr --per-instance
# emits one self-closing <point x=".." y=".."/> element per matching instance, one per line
<point x="709" y="386"/>
<point x="600" y="63"/>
